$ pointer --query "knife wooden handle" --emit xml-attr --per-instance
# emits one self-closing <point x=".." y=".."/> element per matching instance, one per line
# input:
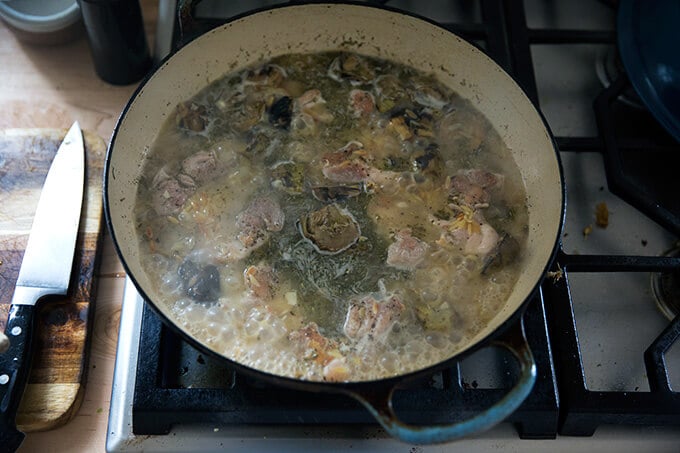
<point x="15" y="365"/>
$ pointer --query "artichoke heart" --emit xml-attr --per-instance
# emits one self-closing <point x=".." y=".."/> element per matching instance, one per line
<point x="330" y="229"/>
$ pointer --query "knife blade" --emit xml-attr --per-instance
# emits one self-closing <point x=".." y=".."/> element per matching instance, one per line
<point x="45" y="270"/>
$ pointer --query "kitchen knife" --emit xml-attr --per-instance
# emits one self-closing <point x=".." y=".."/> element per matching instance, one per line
<point x="45" y="270"/>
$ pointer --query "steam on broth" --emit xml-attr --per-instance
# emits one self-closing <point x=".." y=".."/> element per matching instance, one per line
<point x="332" y="217"/>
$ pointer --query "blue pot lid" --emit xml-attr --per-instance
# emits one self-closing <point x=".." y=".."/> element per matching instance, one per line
<point x="649" y="45"/>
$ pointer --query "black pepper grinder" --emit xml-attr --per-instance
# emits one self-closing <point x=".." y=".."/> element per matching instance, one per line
<point x="117" y="39"/>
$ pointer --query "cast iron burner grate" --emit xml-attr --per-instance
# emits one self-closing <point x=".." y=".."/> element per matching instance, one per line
<point x="583" y="410"/>
<point x="641" y="169"/>
<point x="640" y="161"/>
<point x="167" y="366"/>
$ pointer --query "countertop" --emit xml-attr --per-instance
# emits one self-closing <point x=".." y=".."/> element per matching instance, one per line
<point x="51" y="87"/>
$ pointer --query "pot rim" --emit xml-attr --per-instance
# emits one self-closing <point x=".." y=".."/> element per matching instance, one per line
<point x="326" y="386"/>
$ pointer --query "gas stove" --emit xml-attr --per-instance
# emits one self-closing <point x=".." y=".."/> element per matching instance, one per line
<point x="600" y="327"/>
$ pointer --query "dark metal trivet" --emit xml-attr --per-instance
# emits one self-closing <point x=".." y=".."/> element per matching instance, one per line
<point x="642" y="172"/>
<point x="219" y="395"/>
<point x="640" y="159"/>
<point x="583" y="410"/>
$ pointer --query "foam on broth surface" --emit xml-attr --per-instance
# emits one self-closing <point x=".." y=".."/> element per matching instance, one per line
<point x="331" y="217"/>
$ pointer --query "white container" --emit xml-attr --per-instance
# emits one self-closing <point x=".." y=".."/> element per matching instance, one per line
<point x="42" y="22"/>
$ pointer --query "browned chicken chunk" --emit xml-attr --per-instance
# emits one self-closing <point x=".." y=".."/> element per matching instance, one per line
<point x="475" y="186"/>
<point x="361" y="102"/>
<point x="314" y="345"/>
<point x="262" y="214"/>
<point x="170" y="194"/>
<point x="406" y="252"/>
<point x="201" y="166"/>
<point x="372" y="317"/>
<point x="346" y="165"/>
<point x="261" y="281"/>
<point x="468" y="231"/>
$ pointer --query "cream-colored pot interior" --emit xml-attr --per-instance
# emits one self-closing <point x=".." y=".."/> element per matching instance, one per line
<point x="366" y="30"/>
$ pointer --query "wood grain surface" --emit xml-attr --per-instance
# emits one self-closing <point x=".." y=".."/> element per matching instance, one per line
<point x="63" y="325"/>
<point x="50" y="87"/>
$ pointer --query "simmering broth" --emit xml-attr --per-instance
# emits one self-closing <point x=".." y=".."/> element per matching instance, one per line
<point x="331" y="216"/>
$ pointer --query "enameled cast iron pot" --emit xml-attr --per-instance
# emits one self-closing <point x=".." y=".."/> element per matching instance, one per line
<point x="386" y="34"/>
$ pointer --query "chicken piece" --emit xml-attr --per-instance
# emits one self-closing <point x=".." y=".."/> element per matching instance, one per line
<point x="346" y="165"/>
<point x="469" y="231"/>
<point x="170" y="193"/>
<point x="261" y="281"/>
<point x="483" y="242"/>
<point x="309" y="110"/>
<point x="252" y="233"/>
<point x="303" y="124"/>
<point x="370" y="317"/>
<point x="347" y="172"/>
<point x="313" y="345"/>
<point x="406" y="252"/>
<point x="312" y="103"/>
<point x="484" y="179"/>
<point x="474" y="187"/>
<point x="262" y="215"/>
<point x="201" y="166"/>
<point x="262" y="212"/>
<point x="361" y="102"/>
<point x="472" y="194"/>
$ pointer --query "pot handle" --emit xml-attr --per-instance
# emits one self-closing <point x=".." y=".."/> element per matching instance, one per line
<point x="379" y="403"/>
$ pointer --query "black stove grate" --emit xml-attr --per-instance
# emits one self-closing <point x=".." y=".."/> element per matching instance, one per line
<point x="222" y="396"/>
<point x="641" y="172"/>
<point x="583" y="410"/>
<point x="626" y="140"/>
<point x="639" y="160"/>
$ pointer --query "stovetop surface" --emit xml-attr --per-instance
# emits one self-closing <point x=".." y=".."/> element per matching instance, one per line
<point x="600" y="313"/>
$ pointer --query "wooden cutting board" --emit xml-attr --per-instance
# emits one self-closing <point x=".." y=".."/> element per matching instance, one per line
<point x="57" y="381"/>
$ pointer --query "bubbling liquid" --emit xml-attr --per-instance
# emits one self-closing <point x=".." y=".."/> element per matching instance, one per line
<point x="331" y="217"/>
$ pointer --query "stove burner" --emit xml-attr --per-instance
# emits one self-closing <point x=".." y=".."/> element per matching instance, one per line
<point x="666" y="288"/>
<point x="609" y="68"/>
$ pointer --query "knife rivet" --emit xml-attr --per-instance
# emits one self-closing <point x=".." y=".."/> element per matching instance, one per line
<point x="4" y="379"/>
<point x="16" y="330"/>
